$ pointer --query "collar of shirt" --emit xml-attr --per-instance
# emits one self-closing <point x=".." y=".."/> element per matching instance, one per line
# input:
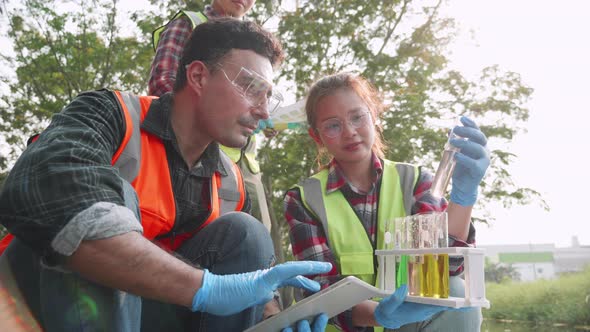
<point x="336" y="178"/>
<point x="157" y="123"/>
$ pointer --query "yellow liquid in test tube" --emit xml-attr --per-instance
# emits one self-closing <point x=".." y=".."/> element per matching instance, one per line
<point x="435" y="276"/>
<point x="443" y="270"/>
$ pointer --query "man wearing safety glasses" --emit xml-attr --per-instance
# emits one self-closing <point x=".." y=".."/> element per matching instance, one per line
<point x="146" y="195"/>
<point x="168" y="42"/>
<point x="255" y="89"/>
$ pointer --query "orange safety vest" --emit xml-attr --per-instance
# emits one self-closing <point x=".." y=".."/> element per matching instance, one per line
<point x="141" y="160"/>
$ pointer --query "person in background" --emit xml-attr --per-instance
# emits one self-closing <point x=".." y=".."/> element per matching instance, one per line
<point x="364" y="190"/>
<point x="148" y="205"/>
<point x="168" y="42"/>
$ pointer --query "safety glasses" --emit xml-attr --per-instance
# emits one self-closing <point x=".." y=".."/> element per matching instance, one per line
<point x="333" y="128"/>
<point x="255" y="89"/>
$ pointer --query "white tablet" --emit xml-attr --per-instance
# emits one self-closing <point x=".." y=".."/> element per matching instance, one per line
<point x="333" y="300"/>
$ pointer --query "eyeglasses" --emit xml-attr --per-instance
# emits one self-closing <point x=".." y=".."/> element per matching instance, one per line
<point x="332" y="128"/>
<point x="254" y="88"/>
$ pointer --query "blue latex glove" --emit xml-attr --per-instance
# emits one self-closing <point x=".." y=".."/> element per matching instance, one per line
<point x="229" y="294"/>
<point x="392" y="312"/>
<point x="263" y="124"/>
<point x="319" y="325"/>
<point x="472" y="162"/>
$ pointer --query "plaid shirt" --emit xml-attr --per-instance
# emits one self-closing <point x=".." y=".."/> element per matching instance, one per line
<point x="72" y="157"/>
<point x="169" y="51"/>
<point x="308" y="239"/>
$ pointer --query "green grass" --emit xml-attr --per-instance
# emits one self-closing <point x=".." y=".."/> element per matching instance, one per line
<point x="563" y="300"/>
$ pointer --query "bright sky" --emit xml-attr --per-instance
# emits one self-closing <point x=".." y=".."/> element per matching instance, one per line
<point x="548" y="43"/>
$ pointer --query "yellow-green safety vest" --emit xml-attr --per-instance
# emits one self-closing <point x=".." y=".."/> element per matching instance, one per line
<point x="346" y="236"/>
<point x="247" y="155"/>
<point x="195" y="18"/>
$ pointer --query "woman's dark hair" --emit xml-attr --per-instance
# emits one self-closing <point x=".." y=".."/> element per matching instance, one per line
<point x="212" y="40"/>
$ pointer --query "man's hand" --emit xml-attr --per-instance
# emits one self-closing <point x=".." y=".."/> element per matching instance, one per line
<point x="229" y="294"/>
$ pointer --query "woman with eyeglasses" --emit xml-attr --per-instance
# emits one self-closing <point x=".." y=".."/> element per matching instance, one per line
<point x="334" y="216"/>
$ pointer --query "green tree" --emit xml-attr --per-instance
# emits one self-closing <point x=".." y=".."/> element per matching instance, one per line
<point x="2" y="178"/>
<point x="62" y="48"/>
<point x="498" y="272"/>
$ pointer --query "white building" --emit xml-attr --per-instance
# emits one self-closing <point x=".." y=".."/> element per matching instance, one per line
<point x="540" y="261"/>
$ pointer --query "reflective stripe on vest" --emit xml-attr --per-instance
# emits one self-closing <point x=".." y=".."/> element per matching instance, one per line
<point x="195" y="18"/>
<point x="346" y="236"/>
<point x="142" y="161"/>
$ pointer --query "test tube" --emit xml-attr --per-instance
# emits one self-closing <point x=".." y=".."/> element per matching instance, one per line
<point x="445" y="168"/>
<point x="401" y="261"/>
<point x="415" y="262"/>
<point x="435" y="269"/>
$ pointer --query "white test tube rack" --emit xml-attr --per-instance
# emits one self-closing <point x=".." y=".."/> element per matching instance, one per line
<point x="473" y="264"/>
